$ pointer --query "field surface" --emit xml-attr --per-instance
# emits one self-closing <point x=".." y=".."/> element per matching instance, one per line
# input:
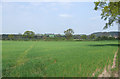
<point x="56" y="58"/>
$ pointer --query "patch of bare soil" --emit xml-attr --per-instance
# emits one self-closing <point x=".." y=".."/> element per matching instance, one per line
<point x="107" y="70"/>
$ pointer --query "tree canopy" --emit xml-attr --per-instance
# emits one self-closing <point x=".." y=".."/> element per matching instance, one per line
<point x="11" y="36"/>
<point x="84" y="36"/>
<point x="92" y="36"/>
<point x="69" y="33"/>
<point x="110" y="12"/>
<point x="29" y="34"/>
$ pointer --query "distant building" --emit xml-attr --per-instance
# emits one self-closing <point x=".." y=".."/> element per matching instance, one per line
<point x="51" y="36"/>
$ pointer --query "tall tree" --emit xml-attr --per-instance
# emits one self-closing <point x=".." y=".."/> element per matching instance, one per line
<point x="29" y="34"/>
<point x="69" y="33"/>
<point x="110" y="12"/>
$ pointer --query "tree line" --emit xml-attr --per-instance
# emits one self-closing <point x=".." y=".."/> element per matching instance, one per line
<point x="68" y="35"/>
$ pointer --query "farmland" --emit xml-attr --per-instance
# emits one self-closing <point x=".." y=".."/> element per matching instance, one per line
<point x="56" y="58"/>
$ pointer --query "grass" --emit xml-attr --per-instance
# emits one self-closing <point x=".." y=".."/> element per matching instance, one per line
<point x="56" y="58"/>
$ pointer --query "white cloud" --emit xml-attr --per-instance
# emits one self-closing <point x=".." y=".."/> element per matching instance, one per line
<point x="65" y="15"/>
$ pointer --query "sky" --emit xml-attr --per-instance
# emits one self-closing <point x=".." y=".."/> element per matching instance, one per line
<point x="52" y="17"/>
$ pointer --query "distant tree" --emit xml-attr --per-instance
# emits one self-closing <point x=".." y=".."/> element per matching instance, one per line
<point x="45" y="36"/>
<point x="11" y="36"/>
<point x="112" y="38"/>
<point x="58" y="35"/>
<point x="69" y="33"/>
<point x="103" y="38"/>
<point x="92" y="36"/>
<point x="76" y="36"/>
<point x="18" y="36"/>
<point x="98" y="38"/>
<point x="84" y="36"/>
<point x="110" y="12"/>
<point x="29" y="34"/>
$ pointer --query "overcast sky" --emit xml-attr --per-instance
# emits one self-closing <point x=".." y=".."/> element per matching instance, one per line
<point x="49" y="17"/>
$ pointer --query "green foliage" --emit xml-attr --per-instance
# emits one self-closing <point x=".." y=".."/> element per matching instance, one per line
<point x="110" y="12"/>
<point x="69" y="33"/>
<point x="11" y="36"/>
<point x="92" y="36"/>
<point x="28" y="34"/>
<point x="55" y="59"/>
<point x="105" y="38"/>
<point x="84" y="37"/>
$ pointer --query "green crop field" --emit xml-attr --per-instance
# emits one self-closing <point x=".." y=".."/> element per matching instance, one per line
<point x="56" y="58"/>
